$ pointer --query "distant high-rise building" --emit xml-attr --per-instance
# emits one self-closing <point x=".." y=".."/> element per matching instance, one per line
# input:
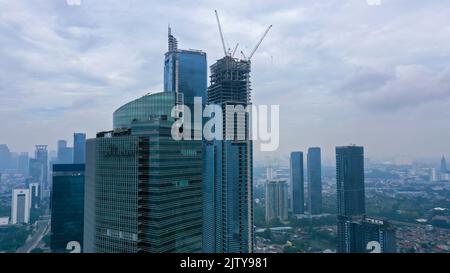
<point x="41" y="155"/>
<point x="297" y="183"/>
<point x="350" y="198"/>
<point x="5" y="157"/>
<point x="444" y="166"/>
<point x="36" y="170"/>
<point x="228" y="169"/>
<point x="362" y="234"/>
<point x="35" y="195"/>
<point x="269" y="173"/>
<point x="24" y="164"/>
<point x="65" y="153"/>
<point x="79" y="148"/>
<point x="276" y="197"/>
<point x="185" y="71"/>
<point x="143" y="189"/>
<point x="20" y="207"/>
<point x="14" y="161"/>
<point x="314" y="166"/>
<point x="350" y="181"/>
<point x="433" y="175"/>
<point x="67" y="206"/>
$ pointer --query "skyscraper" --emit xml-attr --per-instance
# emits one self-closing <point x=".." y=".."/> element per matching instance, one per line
<point x="35" y="195"/>
<point x="297" y="183"/>
<point x="143" y="188"/>
<point x="314" y="166"/>
<point x="350" y="197"/>
<point x="36" y="171"/>
<point x="23" y="164"/>
<point x="350" y="180"/>
<point x="433" y="175"/>
<point x="67" y="206"/>
<point x="79" y="148"/>
<point x="185" y="71"/>
<point x="444" y="167"/>
<point x="362" y="234"/>
<point x="65" y="153"/>
<point x="41" y="156"/>
<point x="276" y="198"/>
<point x="228" y="171"/>
<point x="5" y="157"/>
<point x="20" y="206"/>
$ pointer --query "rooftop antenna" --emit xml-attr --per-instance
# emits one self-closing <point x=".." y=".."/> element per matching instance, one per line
<point x="221" y="34"/>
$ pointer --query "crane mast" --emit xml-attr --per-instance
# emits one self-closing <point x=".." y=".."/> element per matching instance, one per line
<point x="221" y="33"/>
<point x="259" y="43"/>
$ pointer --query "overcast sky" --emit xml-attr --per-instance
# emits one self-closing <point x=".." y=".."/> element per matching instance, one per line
<point x="343" y="71"/>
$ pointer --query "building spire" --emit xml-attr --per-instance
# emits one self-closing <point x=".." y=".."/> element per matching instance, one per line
<point x="173" y="43"/>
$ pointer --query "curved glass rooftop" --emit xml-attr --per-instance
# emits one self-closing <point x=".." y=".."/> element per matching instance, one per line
<point x="146" y="108"/>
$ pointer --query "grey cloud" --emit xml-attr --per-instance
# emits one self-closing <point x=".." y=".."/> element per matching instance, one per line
<point x="406" y="86"/>
<point x="334" y="62"/>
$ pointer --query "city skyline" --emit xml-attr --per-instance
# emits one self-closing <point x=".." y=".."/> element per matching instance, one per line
<point x="372" y="94"/>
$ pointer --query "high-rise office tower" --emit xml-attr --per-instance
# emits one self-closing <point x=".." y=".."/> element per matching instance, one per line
<point x="143" y="188"/>
<point x="79" y="148"/>
<point x="314" y="169"/>
<point x="297" y="183"/>
<point x="64" y="153"/>
<point x="5" y="157"/>
<point x="350" y="194"/>
<point x="276" y="198"/>
<point x="35" y="195"/>
<point x="36" y="170"/>
<point x="20" y="206"/>
<point x="362" y="234"/>
<point x="14" y="161"/>
<point x="23" y="164"/>
<point x="444" y="166"/>
<point x="433" y="175"/>
<point x="41" y="155"/>
<point x="67" y="206"/>
<point x="228" y="171"/>
<point x="350" y="180"/>
<point x="185" y="71"/>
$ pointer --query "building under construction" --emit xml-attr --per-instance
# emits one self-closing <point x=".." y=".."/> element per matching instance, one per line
<point x="228" y="163"/>
<point x="230" y="82"/>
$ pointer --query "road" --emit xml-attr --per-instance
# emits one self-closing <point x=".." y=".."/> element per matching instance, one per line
<point x="33" y="242"/>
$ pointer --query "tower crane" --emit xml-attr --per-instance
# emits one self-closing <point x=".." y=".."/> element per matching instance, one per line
<point x="259" y="43"/>
<point x="221" y="34"/>
<point x="232" y="53"/>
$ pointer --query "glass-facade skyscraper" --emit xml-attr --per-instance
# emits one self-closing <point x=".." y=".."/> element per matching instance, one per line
<point x="79" y="148"/>
<point x="185" y="71"/>
<point x="65" y="153"/>
<point x="350" y="181"/>
<point x="228" y="171"/>
<point x="350" y="198"/>
<point x="67" y="206"/>
<point x="24" y="163"/>
<point x="297" y="183"/>
<point x="143" y="188"/>
<point x="314" y="170"/>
